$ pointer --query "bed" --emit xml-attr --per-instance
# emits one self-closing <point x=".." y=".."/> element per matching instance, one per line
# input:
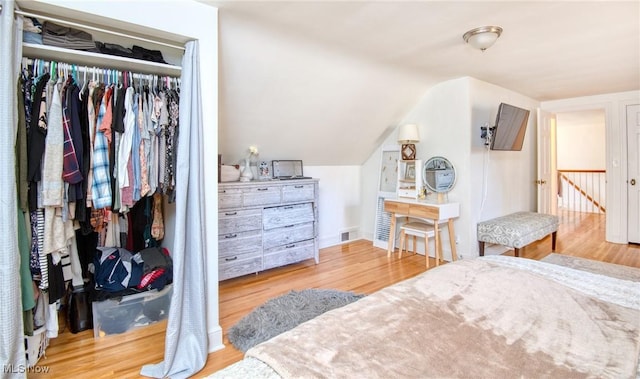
<point x="490" y="317"/>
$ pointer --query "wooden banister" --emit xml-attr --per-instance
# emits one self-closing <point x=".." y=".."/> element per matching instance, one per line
<point x="575" y="186"/>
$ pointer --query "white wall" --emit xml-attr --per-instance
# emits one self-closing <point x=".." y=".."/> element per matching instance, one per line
<point x="339" y="202"/>
<point x="503" y="182"/>
<point x="450" y="115"/>
<point x="614" y="106"/>
<point x="303" y="89"/>
<point x="581" y="140"/>
<point x="443" y="117"/>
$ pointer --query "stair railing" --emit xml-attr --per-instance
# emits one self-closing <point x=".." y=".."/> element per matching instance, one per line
<point x="582" y="190"/>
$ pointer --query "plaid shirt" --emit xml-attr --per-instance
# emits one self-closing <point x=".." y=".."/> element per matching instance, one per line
<point x="70" y="167"/>
<point x="101" y="186"/>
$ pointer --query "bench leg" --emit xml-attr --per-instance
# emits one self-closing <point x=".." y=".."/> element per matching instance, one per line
<point x="553" y="240"/>
<point x="481" y="245"/>
<point x="516" y="252"/>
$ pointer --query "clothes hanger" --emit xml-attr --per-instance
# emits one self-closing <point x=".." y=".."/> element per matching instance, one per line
<point x="84" y="82"/>
<point x="53" y="70"/>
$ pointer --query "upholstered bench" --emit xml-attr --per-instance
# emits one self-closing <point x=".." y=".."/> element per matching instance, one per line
<point x="517" y="230"/>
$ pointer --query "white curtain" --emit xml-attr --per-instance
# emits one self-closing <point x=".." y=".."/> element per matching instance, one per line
<point x="12" y="354"/>
<point x="186" y="339"/>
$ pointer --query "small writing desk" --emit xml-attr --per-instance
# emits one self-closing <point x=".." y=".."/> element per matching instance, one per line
<point x="428" y="210"/>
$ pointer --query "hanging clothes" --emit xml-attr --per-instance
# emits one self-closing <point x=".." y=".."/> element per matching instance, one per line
<point x="101" y="186"/>
<point x="172" y="142"/>
<point x="21" y="147"/>
<point x="72" y="111"/>
<point x="83" y="210"/>
<point x="52" y="161"/>
<point x="71" y="165"/>
<point x="95" y="151"/>
<point x="125" y="170"/>
<point x="36" y="138"/>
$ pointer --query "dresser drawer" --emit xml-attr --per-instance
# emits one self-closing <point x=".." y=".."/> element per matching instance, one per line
<point x="287" y="235"/>
<point x="239" y="221"/>
<point x="264" y="195"/>
<point x="239" y="256"/>
<point x="229" y="198"/>
<point x="232" y="243"/>
<point x="239" y="267"/>
<point x="291" y="253"/>
<point x="287" y="215"/>
<point x="298" y="192"/>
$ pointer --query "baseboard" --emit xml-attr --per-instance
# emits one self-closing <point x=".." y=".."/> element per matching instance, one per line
<point x="345" y="235"/>
<point x="366" y="236"/>
<point x="215" y="340"/>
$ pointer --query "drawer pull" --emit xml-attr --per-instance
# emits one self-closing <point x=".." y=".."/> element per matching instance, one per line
<point x="290" y="246"/>
<point x="289" y="207"/>
<point x="231" y="236"/>
<point x="231" y="259"/>
<point x="262" y="189"/>
<point x="231" y="213"/>
<point x="298" y="186"/>
<point x="289" y="226"/>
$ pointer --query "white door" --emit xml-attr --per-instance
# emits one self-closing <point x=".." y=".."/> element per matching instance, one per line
<point x="633" y="172"/>
<point x="547" y="182"/>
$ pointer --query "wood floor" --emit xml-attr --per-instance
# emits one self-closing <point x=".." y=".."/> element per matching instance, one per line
<point x="356" y="266"/>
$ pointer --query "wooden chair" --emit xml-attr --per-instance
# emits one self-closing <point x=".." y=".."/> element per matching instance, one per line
<point x="422" y="230"/>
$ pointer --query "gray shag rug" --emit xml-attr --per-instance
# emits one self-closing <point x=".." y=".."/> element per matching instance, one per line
<point x="285" y="312"/>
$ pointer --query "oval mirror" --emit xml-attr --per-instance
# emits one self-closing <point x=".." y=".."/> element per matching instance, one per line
<point x="439" y="175"/>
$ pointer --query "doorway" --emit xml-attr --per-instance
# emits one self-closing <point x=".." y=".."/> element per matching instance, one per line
<point x="581" y="161"/>
<point x="572" y="161"/>
<point x="616" y="139"/>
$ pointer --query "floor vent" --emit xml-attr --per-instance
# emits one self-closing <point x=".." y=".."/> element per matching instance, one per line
<point x="348" y="234"/>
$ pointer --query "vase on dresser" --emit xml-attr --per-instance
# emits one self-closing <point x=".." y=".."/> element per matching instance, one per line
<point x="246" y="175"/>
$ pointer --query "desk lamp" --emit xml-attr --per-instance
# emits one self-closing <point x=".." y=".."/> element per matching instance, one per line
<point x="407" y="136"/>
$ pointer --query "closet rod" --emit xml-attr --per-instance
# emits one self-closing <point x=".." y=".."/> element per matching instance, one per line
<point x="77" y="25"/>
<point x="90" y="69"/>
<point x="97" y="70"/>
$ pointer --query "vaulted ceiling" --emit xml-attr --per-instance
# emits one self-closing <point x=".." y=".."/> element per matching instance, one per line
<point x="326" y="81"/>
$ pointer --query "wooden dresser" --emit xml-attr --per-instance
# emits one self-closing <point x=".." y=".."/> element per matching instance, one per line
<point x="262" y="225"/>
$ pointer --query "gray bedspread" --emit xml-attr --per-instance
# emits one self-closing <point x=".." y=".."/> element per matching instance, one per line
<point x="484" y="318"/>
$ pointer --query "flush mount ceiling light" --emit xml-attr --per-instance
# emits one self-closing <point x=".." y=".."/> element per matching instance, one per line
<point x="483" y="37"/>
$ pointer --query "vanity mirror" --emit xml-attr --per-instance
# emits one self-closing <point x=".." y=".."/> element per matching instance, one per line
<point x="439" y="175"/>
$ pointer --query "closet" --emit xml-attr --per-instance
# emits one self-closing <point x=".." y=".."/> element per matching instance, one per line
<point x="100" y="148"/>
<point x="79" y="66"/>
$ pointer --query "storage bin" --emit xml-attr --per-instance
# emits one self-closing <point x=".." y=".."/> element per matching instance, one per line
<point x="116" y="316"/>
<point x="35" y="346"/>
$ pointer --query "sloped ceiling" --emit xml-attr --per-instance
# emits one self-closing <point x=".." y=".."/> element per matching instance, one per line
<point x="326" y="82"/>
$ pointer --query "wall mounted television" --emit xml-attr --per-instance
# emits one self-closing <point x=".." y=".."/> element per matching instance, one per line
<point x="511" y="125"/>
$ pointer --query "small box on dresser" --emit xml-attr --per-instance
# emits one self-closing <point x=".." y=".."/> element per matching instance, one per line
<point x="268" y="224"/>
